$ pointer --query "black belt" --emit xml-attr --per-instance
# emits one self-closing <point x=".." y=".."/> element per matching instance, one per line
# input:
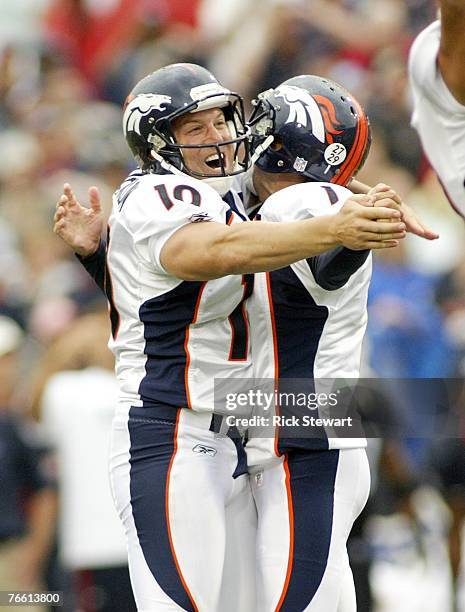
<point x="233" y="433"/>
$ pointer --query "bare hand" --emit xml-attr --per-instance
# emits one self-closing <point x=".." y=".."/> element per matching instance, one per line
<point x="381" y="191"/>
<point x="414" y="225"/>
<point x="78" y="226"/>
<point x="361" y="225"/>
<point x="409" y="217"/>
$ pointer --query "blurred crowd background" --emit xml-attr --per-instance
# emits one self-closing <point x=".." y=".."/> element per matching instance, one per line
<point x="66" y="67"/>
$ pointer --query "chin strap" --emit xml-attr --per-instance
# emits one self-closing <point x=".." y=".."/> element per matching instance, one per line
<point x="261" y="148"/>
<point x="166" y="165"/>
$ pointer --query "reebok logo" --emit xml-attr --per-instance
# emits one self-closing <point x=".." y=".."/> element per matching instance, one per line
<point x="201" y="449"/>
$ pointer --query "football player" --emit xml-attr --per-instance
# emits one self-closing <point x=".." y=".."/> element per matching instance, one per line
<point x="309" y="484"/>
<point x="437" y="79"/>
<point x="178" y="272"/>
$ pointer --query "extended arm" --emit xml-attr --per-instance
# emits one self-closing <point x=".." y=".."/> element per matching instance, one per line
<point x="205" y="251"/>
<point x="202" y="251"/>
<point x="451" y="57"/>
<point x="81" y="228"/>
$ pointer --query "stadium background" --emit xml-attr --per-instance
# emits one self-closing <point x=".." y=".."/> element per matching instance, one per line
<point x="65" y="69"/>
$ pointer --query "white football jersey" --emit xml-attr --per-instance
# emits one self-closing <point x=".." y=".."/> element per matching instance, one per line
<point x="171" y="337"/>
<point x="438" y="117"/>
<point x="310" y="332"/>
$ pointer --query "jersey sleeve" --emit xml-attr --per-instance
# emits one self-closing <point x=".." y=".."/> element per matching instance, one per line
<point x="424" y="74"/>
<point x="162" y="204"/>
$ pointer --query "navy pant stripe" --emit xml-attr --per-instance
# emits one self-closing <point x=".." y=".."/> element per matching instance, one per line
<point x="312" y="477"/>
<point x="153" y="448"/>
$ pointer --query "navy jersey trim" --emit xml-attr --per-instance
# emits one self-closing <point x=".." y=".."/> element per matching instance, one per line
<point x="298" y="324"/>
<point x="95" y="264"/>
<point x="115" y="318"/>
<point x="333" y="269"/>
<point x="231" y="202"/>
<point x="166" y="319"/>
<point x="239" y="322"/>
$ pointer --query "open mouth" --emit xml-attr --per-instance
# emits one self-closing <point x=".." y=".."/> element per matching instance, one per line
<point x="215" y="161"/>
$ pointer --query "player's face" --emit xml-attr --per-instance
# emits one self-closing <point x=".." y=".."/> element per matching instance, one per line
<point x="204" y="127"/>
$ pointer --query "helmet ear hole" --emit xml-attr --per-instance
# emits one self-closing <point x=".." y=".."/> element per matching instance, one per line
<point x="277" y="144"/>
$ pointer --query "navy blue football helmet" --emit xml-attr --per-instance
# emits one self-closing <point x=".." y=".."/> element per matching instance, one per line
<point x="311" y="126"/>
<point x="169" y="93"/>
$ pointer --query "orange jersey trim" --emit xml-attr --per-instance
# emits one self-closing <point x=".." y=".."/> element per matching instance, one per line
<point x="186" y="345"/>
<point x="290" y="561"/>
<point x="167" y="512"/>
<point x="276" y="362"/>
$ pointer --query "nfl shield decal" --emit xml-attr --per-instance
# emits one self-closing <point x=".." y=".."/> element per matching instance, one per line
<point x="300" y="164"/>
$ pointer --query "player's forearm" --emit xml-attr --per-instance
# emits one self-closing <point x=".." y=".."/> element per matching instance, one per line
<point x="451" y="57"/>
<point x="451" y="4"/>
<point x="42" y="519"/>
<point x="358" y="187"/>
<point x="262" y="247"/>
<point x="204" y="251"/>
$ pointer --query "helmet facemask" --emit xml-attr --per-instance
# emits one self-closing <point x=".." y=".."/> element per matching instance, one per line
<point x="236" y="147"/>
<point x="161" y="145"/>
